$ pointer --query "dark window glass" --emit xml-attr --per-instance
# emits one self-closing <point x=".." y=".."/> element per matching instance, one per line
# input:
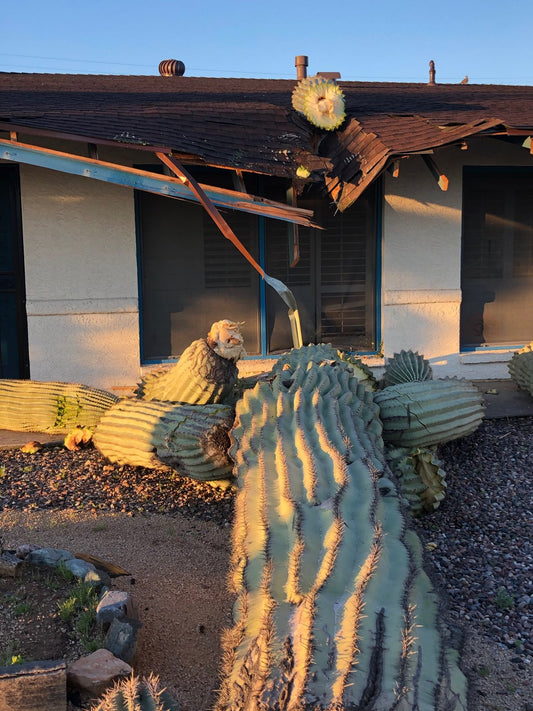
<point x="497" y="257"/>
<point x="334" y="280"/>
<point x="192" y="275"/>
<point x="13" y="328"/>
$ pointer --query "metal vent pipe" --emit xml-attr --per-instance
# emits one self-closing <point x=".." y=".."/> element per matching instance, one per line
<point x="431" y="73"/>
<point x="301" y="62"/>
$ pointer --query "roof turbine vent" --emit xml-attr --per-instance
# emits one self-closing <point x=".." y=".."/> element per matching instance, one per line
<point x="171" y="68"/>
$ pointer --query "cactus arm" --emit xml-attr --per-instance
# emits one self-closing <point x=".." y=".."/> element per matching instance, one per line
<point x="423" y="414"/>
<point x="521" y="368"/>
<point x="200" y="377"/>
<point x="191" y="439"/>
<point x="30" y="405"/>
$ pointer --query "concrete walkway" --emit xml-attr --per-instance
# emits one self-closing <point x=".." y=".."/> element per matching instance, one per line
<point x="502" y="399"/>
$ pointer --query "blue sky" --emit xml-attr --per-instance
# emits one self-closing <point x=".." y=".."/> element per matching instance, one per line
<point x="387" y="40"/>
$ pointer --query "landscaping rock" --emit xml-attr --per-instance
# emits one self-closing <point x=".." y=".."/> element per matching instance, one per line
<point x="97" y="578"/>
<point x="121" y="638"/>
<point x="25" y="549"/>
<point x="9" y="564"/>
<point x="115" y="604"/>
<point x="50" y="557"/>
<point x="93" y="674"/>
<point x="78" y="567"/>
<point x="33" y="686"/>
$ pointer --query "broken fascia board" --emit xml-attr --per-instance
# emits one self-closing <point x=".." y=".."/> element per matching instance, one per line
<point x="147" y="181"/>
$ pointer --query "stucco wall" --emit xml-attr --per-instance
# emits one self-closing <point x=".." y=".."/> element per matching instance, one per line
<point x="422" y="260"/>
<point x="81" y="279"/>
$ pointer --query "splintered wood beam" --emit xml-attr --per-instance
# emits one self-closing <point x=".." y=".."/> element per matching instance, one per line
<point x="394" y="168"/>
<point x="436" y="172"/>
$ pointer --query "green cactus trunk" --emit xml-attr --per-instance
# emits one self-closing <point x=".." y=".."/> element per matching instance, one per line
<point x="136" y="694"/>
<point x="200" y="377"/>
<point x="521" y="368"/>
<point x="33" y="406"/>
<point x="330" y="592"/>
<point x="191" y="439"/>
<point x="431" y="412"/>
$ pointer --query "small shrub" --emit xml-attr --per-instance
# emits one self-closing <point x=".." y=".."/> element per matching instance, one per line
<point x="503" y="599"/>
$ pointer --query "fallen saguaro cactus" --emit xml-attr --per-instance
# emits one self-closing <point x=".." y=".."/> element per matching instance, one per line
<point x="429" y="412"/>
<point x="521" y="368"/>
<point x="33" y="406"/>
<point x="192" y="439"/>
<point x="334" y="610"/>
<point x="205" y="373"/>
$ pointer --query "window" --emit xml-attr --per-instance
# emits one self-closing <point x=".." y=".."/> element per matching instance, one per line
<point x="191" y="276"/>
<point x="497" y="257"/>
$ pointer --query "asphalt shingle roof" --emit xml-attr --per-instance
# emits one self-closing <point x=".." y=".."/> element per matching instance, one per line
<point x="249" y="124"/>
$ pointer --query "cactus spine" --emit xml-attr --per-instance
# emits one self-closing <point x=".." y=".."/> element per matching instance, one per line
<point x="427" y="413"/>
<point x="318" y="539"/>
<point x="135" y="694"/>
<point x="33" y="406"/>
<point x="521" y="368"/>
<point x="192" y="439"/>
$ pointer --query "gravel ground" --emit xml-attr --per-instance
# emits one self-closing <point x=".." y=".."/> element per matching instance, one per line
<point x="483" y="531"/>
<point x="479" y="542"/>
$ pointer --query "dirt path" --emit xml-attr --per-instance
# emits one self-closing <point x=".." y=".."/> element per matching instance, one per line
<point x="178" y="572"/>
<point x="178" y="575"/>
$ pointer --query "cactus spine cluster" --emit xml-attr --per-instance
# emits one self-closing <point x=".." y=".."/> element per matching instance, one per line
<point x="137" y="694"/>
<point x="33" y="406"/>
<point x="521" y="368"/>
<point x="192" y="439"/>
<point x="333" y="611"/>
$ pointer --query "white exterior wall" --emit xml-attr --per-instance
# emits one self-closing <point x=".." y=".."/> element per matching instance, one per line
<point x="421" y="288"/>
<point x="81" y="279"/>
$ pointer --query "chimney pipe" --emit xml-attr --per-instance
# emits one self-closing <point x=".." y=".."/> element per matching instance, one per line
<point x="301" y="62"/>
<point x="431" y="73"/>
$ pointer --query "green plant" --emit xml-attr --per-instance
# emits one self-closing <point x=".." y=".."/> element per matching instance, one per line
<point x="503" y="600"/>
<point x="137" y="694"/>
<point x="319" y="535"/>
<point x="67" y="608"/>
<point x="483" y="671"/>
<point x="430" y="412"/>
<point x="21" y="608"/>
<point x="11" y="654"/>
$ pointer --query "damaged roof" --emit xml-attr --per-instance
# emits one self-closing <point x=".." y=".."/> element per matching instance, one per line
<point x="249" y="124"/>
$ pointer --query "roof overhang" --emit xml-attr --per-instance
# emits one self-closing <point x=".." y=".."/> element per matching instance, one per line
<point x="127" y="176"/>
